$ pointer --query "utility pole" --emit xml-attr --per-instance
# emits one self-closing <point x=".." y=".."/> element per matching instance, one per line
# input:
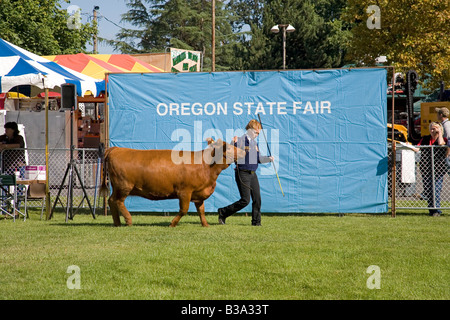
<point x="94" y="38"/>
<point x="213" y="40"/>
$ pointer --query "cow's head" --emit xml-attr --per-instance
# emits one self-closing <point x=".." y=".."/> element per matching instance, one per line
<point x="224" y="153"/>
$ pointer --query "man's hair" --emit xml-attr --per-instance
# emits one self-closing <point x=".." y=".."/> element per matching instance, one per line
<point x="253" y="124"/>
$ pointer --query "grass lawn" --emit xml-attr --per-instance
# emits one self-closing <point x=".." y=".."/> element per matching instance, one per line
<point x="295" y="256"/>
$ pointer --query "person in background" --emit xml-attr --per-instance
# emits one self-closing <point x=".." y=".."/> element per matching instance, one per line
<point x="442" y="115"/>
<point x="245" y="175"/>
<point x="432" y="164"/>
<point x="12" y="160"/>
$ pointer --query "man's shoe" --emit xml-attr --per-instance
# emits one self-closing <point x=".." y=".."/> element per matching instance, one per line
<point x="436" y="214"/>
<point x="221" y="216"/>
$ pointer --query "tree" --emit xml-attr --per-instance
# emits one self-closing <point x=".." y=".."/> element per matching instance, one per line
<point x="243" y="37"/>
<point x="184" y="24"/>
<point x="318" y="42"/>
<point x="41" y="26"/>
<point x="411" y="34"/>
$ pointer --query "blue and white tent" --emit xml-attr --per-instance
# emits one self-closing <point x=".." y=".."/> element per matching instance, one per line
<point x="21" y="67"/>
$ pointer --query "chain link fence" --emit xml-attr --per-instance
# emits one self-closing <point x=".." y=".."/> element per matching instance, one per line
<point x="422" y="178"/>
<point x="16" y="161"/>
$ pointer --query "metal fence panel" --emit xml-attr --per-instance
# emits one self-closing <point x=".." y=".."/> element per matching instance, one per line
<point x="422" y="178"/>
<point x="85" y="160"/>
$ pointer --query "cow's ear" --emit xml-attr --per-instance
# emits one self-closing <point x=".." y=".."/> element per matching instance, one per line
<point x="217" y="144"/>
<point x="210" y="140"/>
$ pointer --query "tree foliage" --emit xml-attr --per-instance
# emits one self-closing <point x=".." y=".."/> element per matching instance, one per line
<point x="40" y="26"/>
<point x="243" y="38"/>
<point x="318" y="42"/>
<point x="412" y="35"/>
<point x="184" y="24"/>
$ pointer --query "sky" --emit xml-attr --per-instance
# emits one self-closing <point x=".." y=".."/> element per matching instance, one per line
<point x="109" y="10"/>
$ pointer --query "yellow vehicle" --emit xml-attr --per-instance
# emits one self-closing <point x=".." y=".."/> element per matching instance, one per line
<point x="428" y="114"/>
<point x="400" y="132"/>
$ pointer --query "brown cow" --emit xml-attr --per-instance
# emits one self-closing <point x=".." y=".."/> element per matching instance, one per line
<point x="155" y="175"/>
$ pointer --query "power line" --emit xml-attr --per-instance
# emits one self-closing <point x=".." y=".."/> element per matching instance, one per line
<point x="101" y="15"/>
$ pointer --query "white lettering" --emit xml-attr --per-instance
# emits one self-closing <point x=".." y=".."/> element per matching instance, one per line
<point x="235" y="309"/>
<point x="198" y="140"/>
<point x="249" y="105"/>
<point x="297" y="105"/>
<point x="197" y="109"/>
<point x="174" y="107"/>
<point x="237" y="106"/>
<point x="165" y="109"/>
<point x="260" y="109"/>
<point x="308" y="108"/>
<point x="185" y="109"/>
<point x="222" y="108"/>
<point x="325" y="105"/>
<point x="177" y="155"/>
<point x="374" y="281"/>
<point x="374" y="20"/>
<point x="198" y="310"/>
<point x="281" y="107"/>
<point x="74" y="281"/>
<point x="271" y="104"/>
<point x="253" y="108"/>
<point x="213" y="109"/>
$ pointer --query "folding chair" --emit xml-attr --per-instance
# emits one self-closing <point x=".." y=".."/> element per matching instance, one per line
<point x="36" y="191"/>
<point x="8" y="198"/>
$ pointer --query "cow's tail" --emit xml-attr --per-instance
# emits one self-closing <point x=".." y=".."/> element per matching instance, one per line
<point x="104" y="189"/>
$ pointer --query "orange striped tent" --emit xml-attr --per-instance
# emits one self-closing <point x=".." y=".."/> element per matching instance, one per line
<point x="96" y="65"/>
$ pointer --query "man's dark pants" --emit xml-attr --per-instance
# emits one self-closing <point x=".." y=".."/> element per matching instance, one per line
<point x="248" y="185"/>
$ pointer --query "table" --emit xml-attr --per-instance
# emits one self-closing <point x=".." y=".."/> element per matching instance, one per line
<point x="28" y="182"/>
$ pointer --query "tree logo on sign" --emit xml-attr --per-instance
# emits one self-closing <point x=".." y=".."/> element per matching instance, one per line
<point x="184" y="60"/>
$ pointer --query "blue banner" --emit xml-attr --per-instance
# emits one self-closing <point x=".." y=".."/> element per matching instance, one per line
<point x="325" y="128"/>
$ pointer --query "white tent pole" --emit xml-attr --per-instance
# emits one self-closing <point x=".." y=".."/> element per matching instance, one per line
<point x="47" y="169"/>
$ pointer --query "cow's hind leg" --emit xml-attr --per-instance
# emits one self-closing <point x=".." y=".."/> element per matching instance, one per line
<point x="124" y="212"/>
<point x="117" y="206"/>
<point x="114" y="211"/>
<point x="184" y="207"/>
<point x="201" y="212"/>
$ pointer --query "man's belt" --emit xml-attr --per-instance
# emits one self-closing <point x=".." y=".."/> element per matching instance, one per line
<point x="247" y="171"/>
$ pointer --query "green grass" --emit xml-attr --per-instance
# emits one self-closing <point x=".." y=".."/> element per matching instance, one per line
<point x="299" y="256"/>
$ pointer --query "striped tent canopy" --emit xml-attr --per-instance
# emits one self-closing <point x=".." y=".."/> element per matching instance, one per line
<point x="21" y="67"/>
<point x="97" y="65"/>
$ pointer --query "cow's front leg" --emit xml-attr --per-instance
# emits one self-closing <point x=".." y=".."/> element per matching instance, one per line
<point x="201" y="212"/>
<point x="184" y="207"/>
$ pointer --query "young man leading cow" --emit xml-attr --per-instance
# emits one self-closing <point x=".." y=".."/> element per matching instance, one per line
<point x="245" y="175"/>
